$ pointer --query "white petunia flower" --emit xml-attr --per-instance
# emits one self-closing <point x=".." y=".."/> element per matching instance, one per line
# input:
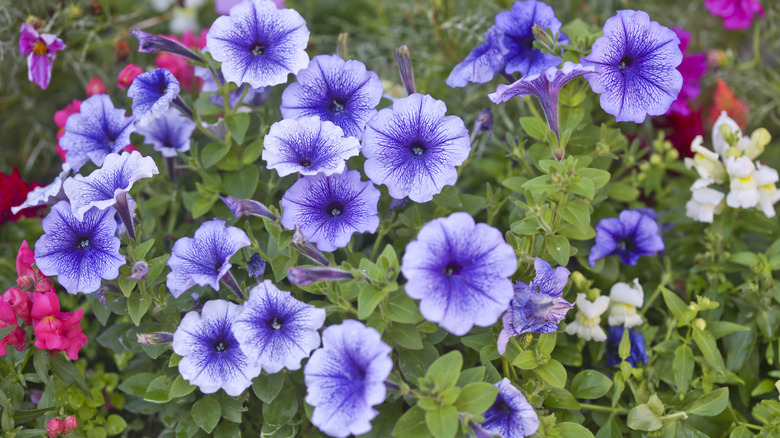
<point x="624" y="299"/>
<point x="705" y="202"/>
<point x="586" y="323"/>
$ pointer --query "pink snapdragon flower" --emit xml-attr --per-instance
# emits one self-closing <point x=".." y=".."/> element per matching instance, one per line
<point x="20" y="303"/>
<point x="128" y="75"/>
<point x="41" y="53"/>
<point x="16" y="338"/>
<point x="54" y="330"/>
<point x="737" y="14"/>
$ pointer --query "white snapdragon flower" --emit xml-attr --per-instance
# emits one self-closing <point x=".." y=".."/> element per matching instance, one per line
<point x="706" y="162"/>
<point x="705" y="202"/>
<point x="744" y="189"/>
<point x="765" y="178"/>
<point x="718" y="138"/>
<point x="586" y="323"/>
<point x="624" y="299"/>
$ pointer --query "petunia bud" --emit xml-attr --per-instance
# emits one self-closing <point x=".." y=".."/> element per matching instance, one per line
<point x="54" y="427"/>
<point x="404" y="59"/>
<point x="303" y="246"/>
<point x="155" y="338"/>
<point x="148" y="43"/>
<point x="95" y="86"/>
<point x="70" y="423"/>
<point x="140" y="269"/>
<point x="240" y="207"/>
<point x="307" y="276"/>
<point x="256" y="267"/>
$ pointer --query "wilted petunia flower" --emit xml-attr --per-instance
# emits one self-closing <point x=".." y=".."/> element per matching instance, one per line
<point x="460" y="272"/>
<point x="613" y="346"/>
<point x="277" y="331"/>
<point x="170" y="134"/>
<point x="511" y="416"/>
<point x="413" y="148"/>
<point x="204" y="259"/>
<point x="98" y="130"/>
<point x="212" y="357"/>
<point x="79" y="253"/>
<point x="308" y="146"/>
<point x="482" y="64"/>
<point x="259" y="44"/>
<point x="346" y="377"/>
<point x="587" y="322"/>
<point x="636" y="62"/>
<point x="152" y="93"/>
<point x="210" y="85"/>
<point x="631" y="235"/>
<point x="737" y="14"/>
<point x="342" y="92"/>
<point x="537" y="307"/>
<point x="624" y="299"/>
<point x="517" y="42"/>
<point x="41" y="51"/>
<point x="329" y="209"/>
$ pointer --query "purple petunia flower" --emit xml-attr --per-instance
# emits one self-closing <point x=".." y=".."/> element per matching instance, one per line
<point x="212" y="357"/>
<point x="631" y="235"/>
<point x="169" y="134"/>
<point x="511" y="416"/>
<point x="328" y="209"/>
<point x="148" y="43"/>
<point x="152" y="93"/>
<point x="277" y="331"/>
<point x="210" y="85"/>
<point x="223" y="6"/>
<point x="613" y="346"/>
<point x="545" y="86"/>
<point x="482" y="64"/>
<point x="308" y="146"/>
<point x="204" y="259"/>
<point x="346" y="378"/>
<point x="517" y="43"/>
<point x="342" y="92"/>
<point x="259" y="44"/>
<point x="636" y="62"/>
<point x="98" y="130"/>
<point x="413" y="148"/>
<point x="537" y="307"/>
<point x="460" y="272"/>
<point x="79" y="253"/>
<point x="41" y="51"/>
<point x="255" y="266"/>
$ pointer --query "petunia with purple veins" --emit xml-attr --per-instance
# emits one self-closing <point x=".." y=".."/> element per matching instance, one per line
<point x="259" y="44"/>
<point x="169" y="134"/>
<point x="41" y="51"/>
<point x="329" y="209"/>
<point x="277" y="331"/>
<point x="636" y="62"/>
<point x="308" y="146"/>
<point x="79" y="252"/>
<point x="212" y="357"/>
<point x="631" y="235"/>
<point x="459" y="270"/>
<point x="511" y="416"/>
<point x="482" y="64"/>
<point x="205" y="258"/>
<point x="537" y="307"/>
<point x="98" y="130"/>
<point x="152" y="93"/>
<point x="342" y="92"/>
<point x="414" y="149"/>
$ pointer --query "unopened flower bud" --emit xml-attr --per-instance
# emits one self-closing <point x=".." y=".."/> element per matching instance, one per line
<point x="256" y="267"/>
<point x="240" y="207"/>
<point x="154" y="338"/>
<point x="656" y="160"/>
<point x="307" y="276"/>
<point x="95" y="86"/>
<point x="70" y="423"/>
<point x="121" y="50"/>
<point x="25" y="282"/>
<point x="672" y="155"/>
<point x="148" y="43"/>
<point x="303" y="246"/>
<point x="556" y="178"/>
<point x="44" y="285"/>
<point x="342" y="45"/>
<point x="542" y="36"/>
<point x="404" y="59"/>
<point x="700" y="324"/>
<point x="54" y="427"/>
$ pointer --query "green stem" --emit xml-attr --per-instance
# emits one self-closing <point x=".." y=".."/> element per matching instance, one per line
<point x="603" y="408"/>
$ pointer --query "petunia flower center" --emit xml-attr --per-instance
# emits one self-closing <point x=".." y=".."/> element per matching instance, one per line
<point x="82" y="243"/>
<point x="305" y="163"/>
<point x="417" y="148"/>
<point x="451" y="270"/>
<point x="257" y="49"/>
<point x="626" y="245"/>
<point x="40" y="48"/>
<point x="335" y="210"/>
<point x="337" y="105"/>
<point x="220" y="346"/>
<point x="275" y="323"/>
<point x="625" y="62"/>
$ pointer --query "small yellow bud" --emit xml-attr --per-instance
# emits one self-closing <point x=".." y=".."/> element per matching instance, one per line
<point x="700" y="324"/>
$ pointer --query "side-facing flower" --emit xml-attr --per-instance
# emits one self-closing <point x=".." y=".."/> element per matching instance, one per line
<point x="212" y="357"/>
<point x="537" y="307"/>
<point x="277" y="331"/>
<point x="98" y="130"/>
<point x="624" y="300"/>
<point x="706" y="162"/>
<point x="177" y="64"/>
<point x="414" y="149"/>
<point x="205" y="258"/>
<point x="28" y="274"/>
<point x="342" y="92"/>
<point x="54" y="330"/>
<point x="308" y="146"/>
<point x="306" y="276"/>
<point x="636" y="62"/>
<point x="705" y="202"/>
<point x="346" y="378"/>
<point x="41" y="51"/>
<point x="631" y="235"/>
<point x="637" y="346"/>
<point x="79" y="252"/>
<point x="128" y="75"/>
<point x="766" y="179"/>
<point x="482" y="64"/>
<point x="743" y="188"/>
<point x="511" y="416"/>
<point x="169" y="134"/>
<point x="726" y="132"/>
<point x="737" y="14"/>
<point x="20" y="303"/>
<point x="723" y="99"/>
<point x="329" y="209"/>
<point x="586" y="324"/>
<point x="259" y="44"/>
<point x="152" y="93"/>
<point x="459" y="270"/>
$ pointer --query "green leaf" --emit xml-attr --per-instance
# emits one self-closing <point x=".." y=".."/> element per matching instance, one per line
<point x="237" y="124"/>
<point x="136" y="384"/>
<point x="369" y="297"/>
<point x="242" y="184"/>
<point x="583" y="187"/>
<point x="411" y="424"/>
<point x="622" y="192"/>
<point x="535" y="127"/>
<point x="267" y="386"/>
<point x="180" y="388"/>
<point x="553" y="373"/>
<point x="228" y="430"/>
<point x="445" y="370"/>
<point x="709" y="349"/>
<point x="546" y="343"/>
<point x="137" y="305"/>
<point x="590" y="384"/>
<point x="475" y="398"/>
<point x="252" y="151"/>
<point x="442" y="423"/>
<point x="711" y="403"/>
<point x="577" y="214"/>
<point x="115" y="425"/>
<point x="283" y="409"/>
<point x="526" y="360"/>
<point x="212" y="153"/>
<point x="471" y="375"/>
<point x="515" y="183"/>
<point x="682" y="364"/>
<point x="65" y="370"/>
<point x="573" y="430"/>
<point x="741" y="431"/>
<point x="401" y="308"/>
<point x="598" y="177"/>
<point x="126" y="285"/>
<point x="158" y="390"/>
<point x="720" y="329"/>
<point x="40" y="363"/>
<point x="642" y="418"/>
<point x="141" y="250"/>
<point x="206" y="412"/>
<point x="407" y="336"/>
<point x="27" y="415"/>
<point x="678" y="307"/>
<point x="558" y="248"/>
<point x="610" y="429"/>
<point x="624" y="348"/>
<point x="562" y="399"/>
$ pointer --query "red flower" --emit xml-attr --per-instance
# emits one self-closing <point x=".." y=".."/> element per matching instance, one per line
<point x="130" y="148"/>
<point x="723" y="99"/>
<point x="54" y="330"/>
<point x="20" y="303"/>
<point x="95" y="86"/>
<point x="13" y="192"/>
<point x="60" y="117"/>
<point x="17" y="337"/>
<point x="178" y="64"/>
<point x="54" y="427"/>
<point x="684" y="129"/>
<point x="70" y="423"/>
<point x="128" y="75"/>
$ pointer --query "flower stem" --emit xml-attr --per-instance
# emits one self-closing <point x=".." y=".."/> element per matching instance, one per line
<point x="124" y="213"/>
<point x="230" y="281"/>
<point x="603" y="408"/>
<point x="171" y="162"/>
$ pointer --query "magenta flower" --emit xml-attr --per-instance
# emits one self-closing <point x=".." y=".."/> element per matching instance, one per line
<point x="692" y="68"/>
<point x="41" y="53"/>
<point x="737" y="14"/>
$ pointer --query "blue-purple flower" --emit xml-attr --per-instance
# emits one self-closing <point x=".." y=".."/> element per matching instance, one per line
<point x="204" y="259"/>
<point x="148" y="43"/>
<point x="482" y="64"/>
<point x="308" y="146"/>
<point x="169" y="134"/>
<point x="414" y="149"/>
<point x="459" y="270"/>
<point x="537" y="307"/>
<point x="102" y="187"/>
<point x="152" y="93"/>
<point x="97" y="130"/>
<point x="212" y="357"/>
<point x="613" y="346"/>
<point x="631" y="235"/>
<point x="329" y="209"/>
<point x="342" y="92"/>
<point x="346" y="378"/>
<point x="636" y="62"/>
<point x="210" y="86"/>
<point x="277" y="331"/>
<point x="79" y="252"/>
<point x="511" y="416"/>
<point x="517" y="43"/>
<point x="259" y="44"/>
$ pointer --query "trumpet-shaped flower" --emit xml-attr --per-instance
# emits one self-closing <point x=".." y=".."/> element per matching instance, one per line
<point x="170" y="134"/>
<point x="624" y="299"/>
<point x="631" y="235"/>
<point x="152" y="93"/>
<point x="637" y="351"/>
<point x="705" y="202"/>
<point x="586" y="324"/>
<point x="511" y="416"/>
<point x="482" y="64"/>
<point x="41" y="51"/>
